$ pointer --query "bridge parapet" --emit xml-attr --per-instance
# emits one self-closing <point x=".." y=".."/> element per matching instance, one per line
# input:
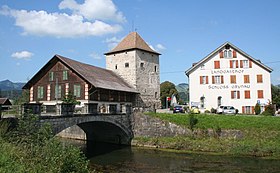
<point x="115" y="128"/>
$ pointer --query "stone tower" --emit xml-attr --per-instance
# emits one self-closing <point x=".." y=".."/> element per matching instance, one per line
<point x="137" y="64"/>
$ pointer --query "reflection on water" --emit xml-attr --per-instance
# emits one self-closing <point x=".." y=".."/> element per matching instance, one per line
<point x="114" y="158"/>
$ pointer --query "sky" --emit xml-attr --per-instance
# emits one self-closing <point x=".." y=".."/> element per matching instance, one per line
<point x="183" y="31"/>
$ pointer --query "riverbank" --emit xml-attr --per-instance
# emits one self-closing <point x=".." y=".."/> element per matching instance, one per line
<point x="260" y="135"/>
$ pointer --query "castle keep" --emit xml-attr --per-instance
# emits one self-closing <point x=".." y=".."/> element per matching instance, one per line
<point x="138" y="64"/>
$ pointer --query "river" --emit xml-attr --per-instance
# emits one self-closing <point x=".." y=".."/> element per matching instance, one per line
<point x="120" y="159"/>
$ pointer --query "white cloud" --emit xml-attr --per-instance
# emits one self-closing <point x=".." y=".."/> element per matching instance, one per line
<point x="95" y="56"/>
<point x="22" y="55"/>
<point x="160" y="47"/>
<point x="43" y="23"/>
<point x="152" y="47"/>
<point x="94" y="9"/>
<point x="112" y="42"/>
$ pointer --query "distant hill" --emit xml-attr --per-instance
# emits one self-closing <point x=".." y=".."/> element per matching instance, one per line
<point x="7" y="85"/>
<point x="183" y="90"/>
<point x="10" y="89"/>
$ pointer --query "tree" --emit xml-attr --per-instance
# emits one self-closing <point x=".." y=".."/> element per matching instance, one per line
<point x="275" y="92"/>
<point x="23" y="98"/>
<point x="167" y="89"/>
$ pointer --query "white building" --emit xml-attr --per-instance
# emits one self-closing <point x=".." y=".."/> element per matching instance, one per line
<point x="228" y="76"/>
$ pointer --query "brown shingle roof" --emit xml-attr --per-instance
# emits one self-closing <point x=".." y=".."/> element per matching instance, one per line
<point x="132" y="41"/>
<point x="5" y="101"/>
<point x="96" y="76"/>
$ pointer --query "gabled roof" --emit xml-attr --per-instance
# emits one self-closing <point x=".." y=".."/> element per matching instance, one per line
<point x="198" y="64"/>
<point x="130" y="42"/>
<point x="5" y="101"/>
<point x="96" y="76"/>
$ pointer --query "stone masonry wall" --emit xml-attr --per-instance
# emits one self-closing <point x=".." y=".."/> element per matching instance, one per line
<point x="146" y="126"/>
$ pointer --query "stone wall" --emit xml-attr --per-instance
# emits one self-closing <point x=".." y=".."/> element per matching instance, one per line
<point x="147" y="126"/>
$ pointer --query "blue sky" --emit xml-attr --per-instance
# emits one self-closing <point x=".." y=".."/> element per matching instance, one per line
<point x="183" y="31"/>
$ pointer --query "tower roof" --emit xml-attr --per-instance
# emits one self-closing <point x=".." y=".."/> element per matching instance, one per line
<point x="130" y="42"/>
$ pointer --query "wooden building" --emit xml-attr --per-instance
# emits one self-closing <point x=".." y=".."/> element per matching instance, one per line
<point x="99" y="90"/>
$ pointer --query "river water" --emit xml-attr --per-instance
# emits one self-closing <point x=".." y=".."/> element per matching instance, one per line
<point x="119" y="159"/>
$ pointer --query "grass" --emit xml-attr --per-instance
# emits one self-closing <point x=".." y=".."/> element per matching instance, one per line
<point x="261" y="135"/>
<point x="239" y="122"/>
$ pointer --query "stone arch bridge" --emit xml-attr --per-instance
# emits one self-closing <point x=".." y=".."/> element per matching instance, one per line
<point x="101" y="127"/>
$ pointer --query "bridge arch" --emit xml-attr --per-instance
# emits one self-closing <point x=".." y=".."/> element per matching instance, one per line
<point x="103" y="128"/>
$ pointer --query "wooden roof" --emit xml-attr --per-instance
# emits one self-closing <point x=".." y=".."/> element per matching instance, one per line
<point x="5" y="101"/>
<point x="96" y="76"/>
<point x="130" y="42"/>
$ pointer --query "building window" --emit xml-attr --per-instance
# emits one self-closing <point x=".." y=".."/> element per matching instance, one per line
<point x="58" y="91"/>
<point x="233" y="64"/>
<point x="235" y="94"/>
<point x="259" y="78"/>
<point x="65" y="75"/>
<point x="126" y="65"/>
<point x="247" y="109"/>
<point x="233" y="79"/>
<point x="203" y="79"/>
<point x="51" y="76"/>
<point x="202" y="100"/>
<point x="40" y="93"/>
<point x="77" y="90"/>
<point x="155" y="68"/>
<point x="116" y="66"/>
<point x="260" y="94"/>
<point x="156" y="95"/>
<point x="247" y="94"/>
<point x="227" y="54"/>
<point x="216" y="64"/>
<point x="219" y="101"/>
<point x="141" y="64"/>
<point x="246" y="79"/>
<point x="245" y="64"/>
<point x="217" y="79"/>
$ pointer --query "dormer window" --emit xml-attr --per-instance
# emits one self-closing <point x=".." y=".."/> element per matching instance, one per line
<point x="227" y="54"/>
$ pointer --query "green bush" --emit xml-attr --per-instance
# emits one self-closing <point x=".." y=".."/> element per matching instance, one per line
<point x="192" y="121"/>
<point x="269" y="110"/>
<point x="32" y="148"/>
<point x="257" y="109"/>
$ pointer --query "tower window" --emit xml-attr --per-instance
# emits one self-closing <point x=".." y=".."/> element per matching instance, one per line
<point x="116" y="66"/>
<point x="155" y="68"/>
<point x="126" y="65"/>
<point x="141" y="64"/>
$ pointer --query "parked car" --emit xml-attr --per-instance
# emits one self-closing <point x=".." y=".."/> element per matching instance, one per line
<point x="220" y="110"/>
<point x="195" y="110"/>
<point x="178" y="109"/>
<point x="226" y="110"/>
<point x="229" y="110"/>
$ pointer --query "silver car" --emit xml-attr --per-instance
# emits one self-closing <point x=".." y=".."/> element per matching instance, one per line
<point x="229" y="110"/>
